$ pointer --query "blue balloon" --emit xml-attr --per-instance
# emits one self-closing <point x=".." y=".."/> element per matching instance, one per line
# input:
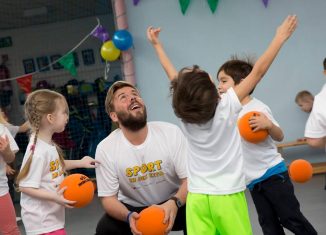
<point x="122" y="39"/>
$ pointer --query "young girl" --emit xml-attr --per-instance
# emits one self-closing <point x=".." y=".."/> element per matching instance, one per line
<point x="43" y="167"/>
<point x="8" y="147"/>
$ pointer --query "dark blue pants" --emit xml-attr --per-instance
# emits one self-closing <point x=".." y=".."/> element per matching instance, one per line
<point x="108" y="225"/>
<point x="278" y="207"/>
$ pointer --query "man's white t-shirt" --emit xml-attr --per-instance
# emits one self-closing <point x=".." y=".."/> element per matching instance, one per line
<point x="13" y="146"/>
<point x="215" y="161"/>
<point x="258" y="158"/>
<point x="316" y="124"/>
<point x="42" y="216"/>
<point x="145" y="174"/>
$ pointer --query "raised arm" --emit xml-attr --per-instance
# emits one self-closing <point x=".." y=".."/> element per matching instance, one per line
<point x="153" y="38"/>
<point x="284" y="31"/>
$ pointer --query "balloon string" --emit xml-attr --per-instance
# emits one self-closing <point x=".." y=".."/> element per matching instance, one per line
<point x="55" y="61"/>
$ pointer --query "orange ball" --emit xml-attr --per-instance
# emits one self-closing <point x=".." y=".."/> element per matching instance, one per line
<point x="79" y="188"/>
<point x="150" y="221"/>
<point x="300" y="171"/>
<point x="246" y="131"/>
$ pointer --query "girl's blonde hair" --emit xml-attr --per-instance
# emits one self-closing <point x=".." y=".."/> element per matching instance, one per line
<point x="2" y="117"/>
<point x="38" y="104"/>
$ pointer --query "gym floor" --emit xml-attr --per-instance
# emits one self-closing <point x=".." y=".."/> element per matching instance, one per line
<point x="311" y="195"/>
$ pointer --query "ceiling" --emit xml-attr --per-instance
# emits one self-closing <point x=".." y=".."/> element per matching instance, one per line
<point x="19" y="14"/>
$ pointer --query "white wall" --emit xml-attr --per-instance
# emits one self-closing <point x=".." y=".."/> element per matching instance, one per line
<point x="237" y="27"/>
<point x="51" y="39"/>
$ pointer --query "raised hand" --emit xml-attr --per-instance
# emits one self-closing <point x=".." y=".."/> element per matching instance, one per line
<point x="153" y="35"/>
<point x="288" y="26"/>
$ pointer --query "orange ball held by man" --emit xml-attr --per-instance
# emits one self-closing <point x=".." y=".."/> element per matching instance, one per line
<point x="150" y="221"/>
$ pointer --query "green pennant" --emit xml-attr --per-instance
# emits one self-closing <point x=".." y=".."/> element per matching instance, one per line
<point x="68" y="63"/>
<point x="184" y="5"/>
<point x="212" y="5"/>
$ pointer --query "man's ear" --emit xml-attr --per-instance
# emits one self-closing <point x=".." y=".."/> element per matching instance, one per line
<point x="325" y="72"/>
<point x="113" y="116"/>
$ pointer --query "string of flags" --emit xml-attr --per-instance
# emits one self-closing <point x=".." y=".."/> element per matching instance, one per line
<point x="110" y="51"/>
<point x="184" y="4"/>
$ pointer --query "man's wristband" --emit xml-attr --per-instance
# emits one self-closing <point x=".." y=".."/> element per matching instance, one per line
<point x="128" y="216"/>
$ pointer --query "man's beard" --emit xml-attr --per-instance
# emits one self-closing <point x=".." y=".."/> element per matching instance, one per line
<point x="131" y="122"/>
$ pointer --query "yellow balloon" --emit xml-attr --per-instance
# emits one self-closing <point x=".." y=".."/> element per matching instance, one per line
<point x="109" y="51"/>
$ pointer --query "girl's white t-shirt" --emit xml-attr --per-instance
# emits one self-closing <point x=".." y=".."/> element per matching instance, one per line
<point x="13" y="146"/>
<point x="258" y="158"/>
<point x="215" y="161"/>
<point x="42" y="216"/>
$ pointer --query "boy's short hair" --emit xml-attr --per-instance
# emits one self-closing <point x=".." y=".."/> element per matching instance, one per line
<point x="110" y="94"/>
<point x="304" y="95"/>
<point x="237" y="69"/>
<point x="194" y="96"/>
<point x="324" y="64"/>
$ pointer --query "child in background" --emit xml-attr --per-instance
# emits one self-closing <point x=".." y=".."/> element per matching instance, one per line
<point x="305" y="101"/>
<point x="266" y="174"/>
<point x="216" y="202"/>
<point x="315" y="131"/>
<point x="43" y="167"/>
<point x="8" y="148"/>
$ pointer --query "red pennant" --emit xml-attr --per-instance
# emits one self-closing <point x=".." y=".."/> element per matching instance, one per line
<point x="25" y="83"/>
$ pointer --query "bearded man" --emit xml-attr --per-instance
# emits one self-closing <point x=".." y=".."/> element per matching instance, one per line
<point x="142" y="164"/>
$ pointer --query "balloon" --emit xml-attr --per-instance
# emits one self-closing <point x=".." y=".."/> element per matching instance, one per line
<point x="109" y="51"/>
<point x="122" y="39"/>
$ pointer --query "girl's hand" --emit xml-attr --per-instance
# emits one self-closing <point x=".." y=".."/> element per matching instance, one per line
<point x="9" y="170"/>
<point x="285" y="30"/>
<point x="4" y="144"/>
<point x="59" y="198"/>
<point x="88" y="162"/>
<point x="153" y="35"/>
<point x="260" y="122"/>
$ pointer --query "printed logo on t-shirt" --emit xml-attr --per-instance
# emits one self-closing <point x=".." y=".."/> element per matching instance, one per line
<point x="55" y="169"/>
<point x="145" y="171"/>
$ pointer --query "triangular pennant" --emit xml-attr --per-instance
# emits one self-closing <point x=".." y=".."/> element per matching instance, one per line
<point x="68" y="63"/>
<point x="265" y="3"/>
<point x="25" y="83"/>
<point x="212" y="5"/>
<point x="101" y="33"/>
<point x="184" y="5"/>
<point x="136" y="2"/>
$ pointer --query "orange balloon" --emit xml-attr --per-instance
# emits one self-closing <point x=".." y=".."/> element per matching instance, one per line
<point x="150" y="221"/>
<point x="300" y="171"/>
<point x="246" y="131"/>
<point x="79" y="188"/>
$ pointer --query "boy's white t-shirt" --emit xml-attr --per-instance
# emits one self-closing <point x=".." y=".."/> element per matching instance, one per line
<point x="258" y="158"/>
<point x="42" y="216"/>
<point x="13" y="146"/>
<point x="316" y="124"/>
<point x="215" y="161"/>
<point x="145" y="174"/>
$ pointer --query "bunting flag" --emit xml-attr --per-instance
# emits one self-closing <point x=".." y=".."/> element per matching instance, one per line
<point x="68" y="63"/>
<point x="184" y="5"/>
<point x="25" y="83"/>
<point x="101" y="33"/>
<point x="213" y="4"/>
<point x="265" y="3"/>
<point x="136" y="2"/>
